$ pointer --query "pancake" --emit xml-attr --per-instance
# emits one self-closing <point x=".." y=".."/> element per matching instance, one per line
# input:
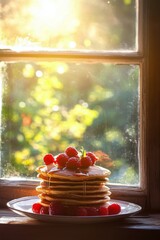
<point x="93" y="172"/>
<point x="47" y="199"/>
<point x="55" y="181"/>
<point x="84" y="191"/>
<point x="81" y="185"/>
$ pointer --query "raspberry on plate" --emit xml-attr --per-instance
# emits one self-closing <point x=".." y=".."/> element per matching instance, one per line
<point x="36" y="207"/>
<point x="44" y="210"/>
<point x="81" y="211"/>
<point x="70" y="210"/>
<point x="71" y="151"/>
<point x="56" y="208"/>
<point x="92" y="211"/>
<point x="114" y="208"/>
<point x="61" y="159"/>
<point x="103" y="210"/>
<point x="48" y="159"/>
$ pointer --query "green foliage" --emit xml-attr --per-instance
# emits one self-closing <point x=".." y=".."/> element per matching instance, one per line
<point x="95" y="106"/>
<point x="49" y="105"/>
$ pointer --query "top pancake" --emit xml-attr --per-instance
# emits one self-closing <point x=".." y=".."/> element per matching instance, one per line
<point x="91" y="173"/>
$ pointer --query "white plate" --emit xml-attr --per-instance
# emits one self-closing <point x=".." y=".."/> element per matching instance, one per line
<point x="23" y="206"/>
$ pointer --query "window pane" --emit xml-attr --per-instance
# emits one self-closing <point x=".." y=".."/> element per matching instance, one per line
<point x="69" y="24"/>
<point x="48" y="106"/>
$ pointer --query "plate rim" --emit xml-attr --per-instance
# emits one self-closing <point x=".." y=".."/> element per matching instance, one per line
<point x="61" y="218"/>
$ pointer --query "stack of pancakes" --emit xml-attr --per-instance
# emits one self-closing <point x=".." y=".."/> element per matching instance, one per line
<point x="86" y="187"/>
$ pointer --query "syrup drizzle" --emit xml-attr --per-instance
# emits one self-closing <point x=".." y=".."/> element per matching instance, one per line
<point x="84" y="188"/>
<point x="49" y="181"/>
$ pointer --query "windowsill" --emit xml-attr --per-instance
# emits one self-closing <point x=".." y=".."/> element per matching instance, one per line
<point x="136" y="227"/>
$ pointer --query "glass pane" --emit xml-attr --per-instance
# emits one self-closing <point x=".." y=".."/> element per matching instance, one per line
<point x="48" y="106"/>
<point x="69" y="24"/>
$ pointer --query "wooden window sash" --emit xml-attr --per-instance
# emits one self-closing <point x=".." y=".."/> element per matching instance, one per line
<point x="148" y="193"/>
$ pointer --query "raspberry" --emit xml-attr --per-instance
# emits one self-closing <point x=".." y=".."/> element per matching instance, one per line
<point x="72" y="163"/>
<point x="48" y="159"/>
<point x="114" y="208"/>
<point x="36" y="207"/>
<point x="103" y="210"/>
<point x="71" y="151"/>
<point x="56" y="208"/>
<point x="81" y="211"/>
<point x="69" y="210"/>
<point x="61" y="160"/>
<point x="44" y="210"/>
<point x="92" y="156"/>
<point x="86" y="162"/>
<point x="92" y="211"/>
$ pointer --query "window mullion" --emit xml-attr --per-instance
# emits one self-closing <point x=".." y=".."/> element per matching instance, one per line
<point x="118" y="57"/>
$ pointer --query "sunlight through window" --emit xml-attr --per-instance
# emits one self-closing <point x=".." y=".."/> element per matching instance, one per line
<point x="57" y="16"/>
<point x="69" y="24"/>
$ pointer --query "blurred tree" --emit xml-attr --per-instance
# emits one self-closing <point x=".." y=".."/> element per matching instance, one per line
<point x="91" y="106"/>
<point x="49" y="105"/>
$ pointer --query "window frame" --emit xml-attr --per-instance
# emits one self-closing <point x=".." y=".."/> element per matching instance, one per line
<point x="146" y="195"/>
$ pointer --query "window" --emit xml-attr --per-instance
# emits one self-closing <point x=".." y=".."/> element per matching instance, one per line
<point x="68" y="79"/>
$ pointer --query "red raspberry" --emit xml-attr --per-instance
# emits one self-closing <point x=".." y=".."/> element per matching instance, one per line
<point x="92" y="156"/>
<point x="86" y="162"/>
<point x="44" y="210"/>
<point x="92" y="211"/>
<point x="81" y="211"/>
<point x="103" y="210"/>
<point x="48" y="159"/>
<point x="61" y="160"/>
<point x="71" y="151"/>
<point x="72" y="163"/>
<point x="70" y="210"/>
<point x="114" y="208"/>
<point x="36" y="207"/>
<point x="56" y="208"/>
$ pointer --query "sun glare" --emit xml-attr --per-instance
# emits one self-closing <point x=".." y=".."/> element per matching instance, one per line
<point x="53" y="16"/>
